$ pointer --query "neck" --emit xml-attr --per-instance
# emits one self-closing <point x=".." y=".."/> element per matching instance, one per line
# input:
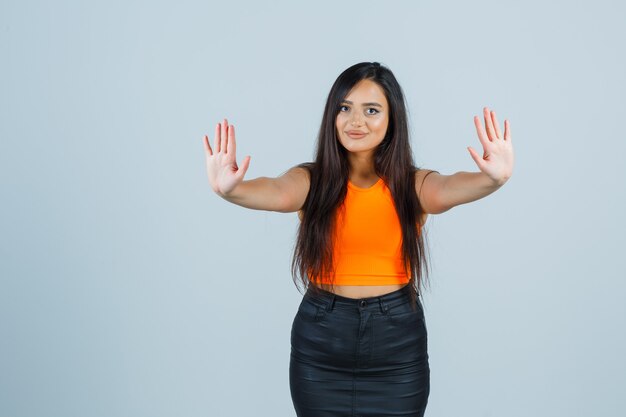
<point x="362" y="166"/>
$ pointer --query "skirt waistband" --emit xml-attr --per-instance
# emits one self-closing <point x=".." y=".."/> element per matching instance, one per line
<point x="383" y="302"/>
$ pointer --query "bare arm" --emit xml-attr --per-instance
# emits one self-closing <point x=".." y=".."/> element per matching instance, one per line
<point x="284" y="194"/>
<point x="262" y="193"/>
<point x="439" y="193"/>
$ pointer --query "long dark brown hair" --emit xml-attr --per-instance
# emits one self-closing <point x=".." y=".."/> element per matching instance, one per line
<point x="329" y="173"/>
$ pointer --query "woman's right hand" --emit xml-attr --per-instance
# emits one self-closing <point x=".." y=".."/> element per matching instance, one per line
<point x="221" y="164"/>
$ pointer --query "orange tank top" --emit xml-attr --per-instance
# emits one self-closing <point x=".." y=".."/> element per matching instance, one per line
<point x="368" y="239"/>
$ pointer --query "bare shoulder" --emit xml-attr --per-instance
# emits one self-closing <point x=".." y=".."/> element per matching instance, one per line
<point x="427" y="183"/>
<point x="294" y="185"/>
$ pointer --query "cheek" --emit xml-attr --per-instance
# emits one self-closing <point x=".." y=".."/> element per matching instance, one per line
<point x="380" y="124"/>
<point x="338" y="125"/>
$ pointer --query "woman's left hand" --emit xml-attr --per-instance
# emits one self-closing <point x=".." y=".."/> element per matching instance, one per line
<point x="497" y="159"/>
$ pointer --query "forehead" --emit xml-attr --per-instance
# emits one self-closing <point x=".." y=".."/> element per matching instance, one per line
<point x="367" y="91"/>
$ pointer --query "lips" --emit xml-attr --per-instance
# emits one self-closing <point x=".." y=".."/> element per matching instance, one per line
<point x="356" y="134"/>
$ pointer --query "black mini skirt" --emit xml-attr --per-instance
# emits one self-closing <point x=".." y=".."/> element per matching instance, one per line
<point x="359" y="357"/>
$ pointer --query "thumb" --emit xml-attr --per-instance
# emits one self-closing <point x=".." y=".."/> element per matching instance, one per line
<point x="475" y="157"/>
<point x="244" y="167"/>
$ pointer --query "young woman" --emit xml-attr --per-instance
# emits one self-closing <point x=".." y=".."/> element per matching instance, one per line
<point x="359" y="340"/>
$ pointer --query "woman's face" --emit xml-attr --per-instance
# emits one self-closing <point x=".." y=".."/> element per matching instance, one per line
<point x="365" y="109"/>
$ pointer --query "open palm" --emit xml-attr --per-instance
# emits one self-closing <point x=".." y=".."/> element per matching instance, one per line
<point x="497" y="159"/>
<point x="222" y="170"/>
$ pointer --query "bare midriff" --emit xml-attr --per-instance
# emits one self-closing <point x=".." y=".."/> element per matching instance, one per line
<point x="364" y="291"/>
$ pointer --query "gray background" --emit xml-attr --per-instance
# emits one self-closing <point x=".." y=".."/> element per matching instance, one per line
<point x="129" y="289"/>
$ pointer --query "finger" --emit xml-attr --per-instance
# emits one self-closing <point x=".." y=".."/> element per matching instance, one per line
<point x="482" y="136"/>
<point x="488" y="125"/>
<point x="232" y="146"/>
<point x="494" y="120"/>
<point x="224" y="137"/>
<point x="507" y="130"/>
<point x="244" y="167"/>
<point x="476" y="157"/>
<point x="207" y="145"/>
<point x="218" y="130"/>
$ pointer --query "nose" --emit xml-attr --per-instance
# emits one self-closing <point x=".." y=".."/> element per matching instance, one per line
<point x="356" y="120"/>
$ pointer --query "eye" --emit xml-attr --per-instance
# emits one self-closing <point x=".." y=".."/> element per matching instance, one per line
<point x="371" y="108"/>
<point x="341" y="107"/>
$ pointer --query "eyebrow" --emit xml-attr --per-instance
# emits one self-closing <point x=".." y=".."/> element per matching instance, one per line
<point x="365" y="104"/>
